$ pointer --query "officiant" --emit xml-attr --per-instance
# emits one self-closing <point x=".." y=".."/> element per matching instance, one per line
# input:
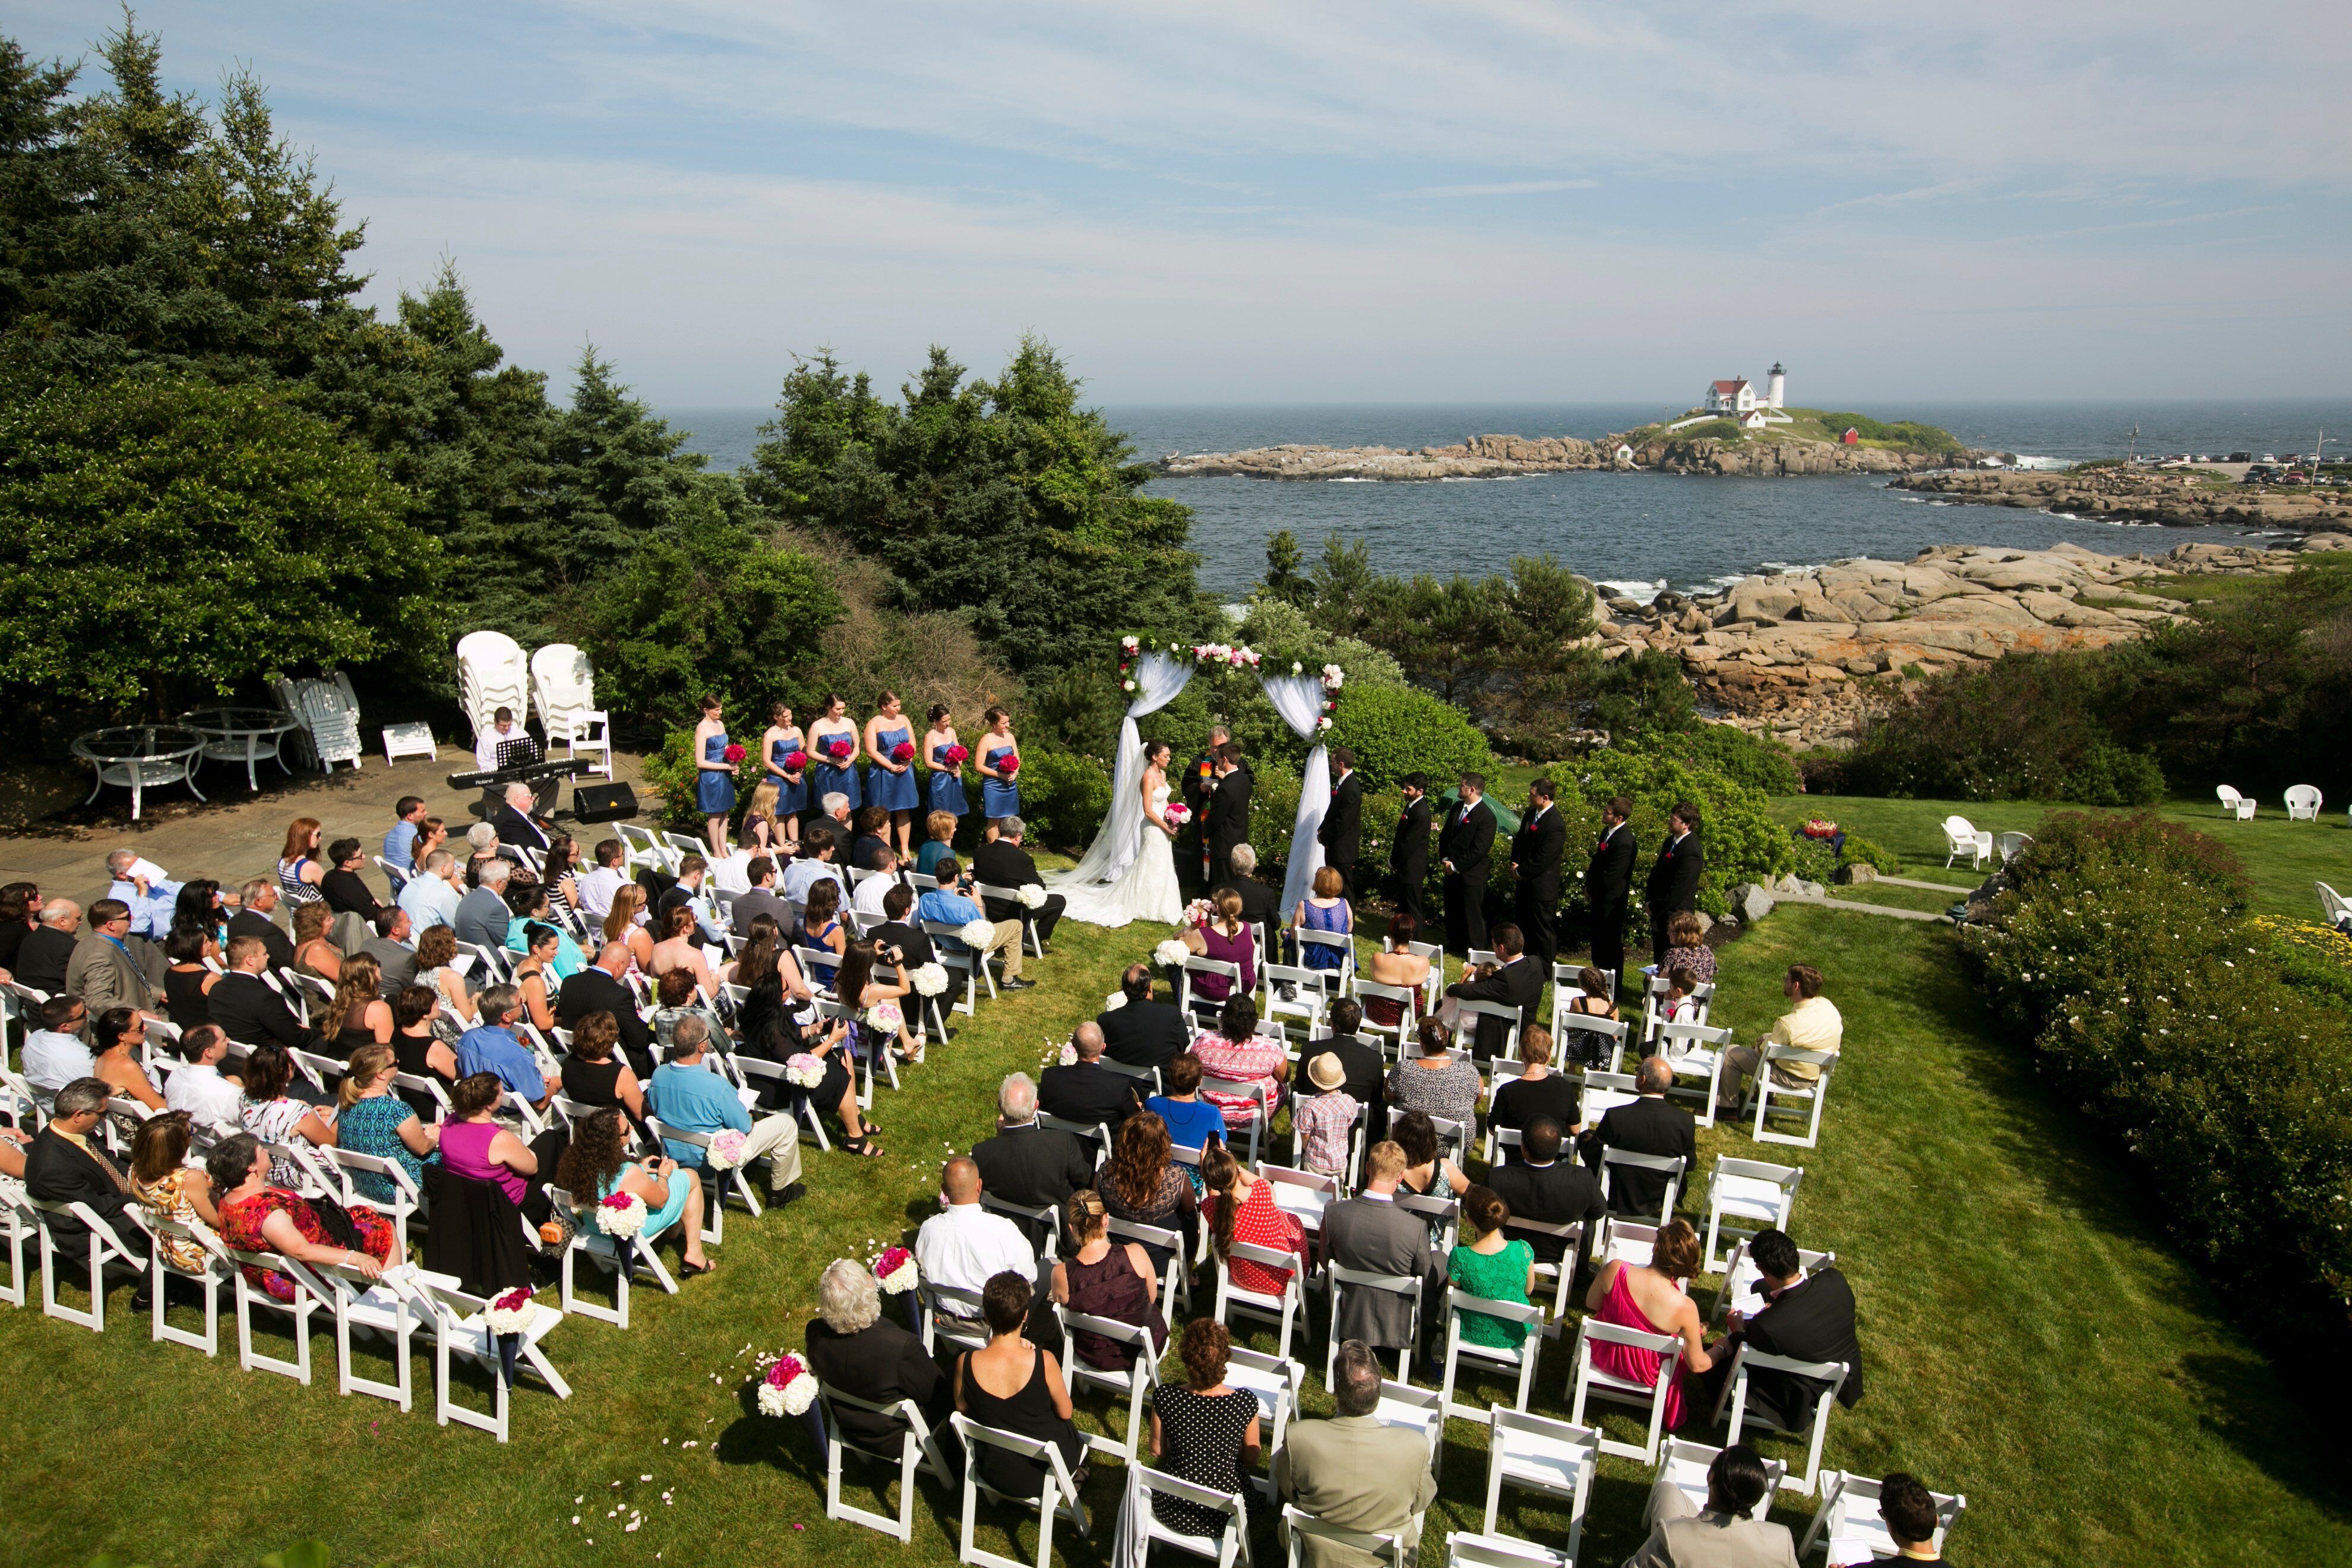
<point x="1199" y="784"/>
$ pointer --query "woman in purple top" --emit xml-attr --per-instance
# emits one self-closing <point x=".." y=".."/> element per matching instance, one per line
<point x="476" y="1147"/>
<point x="1228" y="939"/>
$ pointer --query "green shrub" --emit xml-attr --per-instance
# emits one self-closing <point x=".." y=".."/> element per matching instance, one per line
<point x="1861" y="851"/>
<point x="1064" y="798"/>
<point x="1763" y="765"/>
<point x="2023" y="728"/>
<point x="1815" y="859"/>
<point x="2121" y="954"/>
<point x="2315" y="958"/>
<point x="1398" y="730"/>
<point x="1741" y="841"/>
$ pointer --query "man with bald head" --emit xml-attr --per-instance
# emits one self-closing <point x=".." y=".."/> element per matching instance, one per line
<point x="48" y="948"/>
<point x="1086" y="1091"/>
<point x="513" y="820"/>
<point x="599" y="988"/>
<point x="963" y="1245"/>
<point x="1024" y="1163"/>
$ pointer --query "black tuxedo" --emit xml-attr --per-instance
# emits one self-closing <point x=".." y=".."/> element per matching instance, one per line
<point x="1645" y="1127"/>
<point x="244" y="922"/>
<point x="1558" y="1194"/>
<point x="594" y="991"/>
<point x="1518" y="984"/>
<point x="251" y="1014"/>
<point x="1468" y="842"/>
<point x="1366" y="1077"/>
<point x="1001" y="864"/>
<point x="346" y="894"/>
<point x="1673" y="885"/>
<point x="1409" y="858"/>
<point x="1227" y="823"/>
<point x="1608" y="888"/>
<point x="1088" y="1093"/>
<point x="909" y="939"/>
<point x="1033" y="1166"/>
<point x="515" y="828"/>
<point x="1537" y="849"/>
<point x="42" y="958"/>
<point x="56" y="1171"/>
<point x="1811" y="1320"/>
<point x="1342" y="833"/>
<point x="1144" y="1033"/>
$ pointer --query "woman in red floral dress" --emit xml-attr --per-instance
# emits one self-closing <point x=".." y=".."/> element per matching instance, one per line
<point x="258" y="1217"/>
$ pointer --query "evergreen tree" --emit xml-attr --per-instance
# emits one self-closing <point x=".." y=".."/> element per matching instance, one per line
<point x="620" y="477"/>
<point x="1283" y="580"/>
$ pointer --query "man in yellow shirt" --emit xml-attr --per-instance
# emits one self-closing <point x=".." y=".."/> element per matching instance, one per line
<point x="1814" y="1024"/>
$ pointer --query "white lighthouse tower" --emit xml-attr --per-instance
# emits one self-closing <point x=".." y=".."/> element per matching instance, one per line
<point x="1778" y="385"/>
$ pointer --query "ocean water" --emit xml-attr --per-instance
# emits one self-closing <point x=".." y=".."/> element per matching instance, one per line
<point x="1638" y="532"/>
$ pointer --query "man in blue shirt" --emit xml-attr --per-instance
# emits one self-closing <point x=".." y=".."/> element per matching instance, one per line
<point x="400" y="844"/>
<point x="491" y="1047"/>
<point x="812" y="865"/>
<point x="950" y="905"/>
<point x="689" y="1092"/>
<point x="432" y="895"/>
<point x="142" y="885"/>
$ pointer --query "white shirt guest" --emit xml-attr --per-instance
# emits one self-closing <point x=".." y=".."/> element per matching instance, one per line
<point x="198" y="1088"/>
<point x="964" y="1246"/>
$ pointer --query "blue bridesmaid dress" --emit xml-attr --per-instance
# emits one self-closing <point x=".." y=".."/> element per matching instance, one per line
<point x="792" y="799"/>
<point x="893" y="792"/>
<point x="946" y="785"/>
<point x="998" y="798"/>
<point x="714" y="792"/>
<point x="825" y="778"/>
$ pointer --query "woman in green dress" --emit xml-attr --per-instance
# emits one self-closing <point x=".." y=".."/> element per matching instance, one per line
<point x="1493" y="1268"/>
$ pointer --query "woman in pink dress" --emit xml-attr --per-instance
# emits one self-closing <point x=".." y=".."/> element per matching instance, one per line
<point x="1649" y="1299"/>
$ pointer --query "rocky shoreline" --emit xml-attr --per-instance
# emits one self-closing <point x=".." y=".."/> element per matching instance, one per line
<point x="1510" y="457"/>
<point x="2182" y="498"/>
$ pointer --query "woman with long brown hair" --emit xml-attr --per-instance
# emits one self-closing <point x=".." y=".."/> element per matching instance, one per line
<point x="890" y="783"/>
<point x="534" y="974"/>
<point x="621" y="924"/>
<point x="821" y="925"/>
<point x="856" y="988"/>
<point x="160" y="1179"/>
<point x="314" y="955"/>
<point x="1241" y="1208"/>
<point x="597" y="1164"/>
<point x="359" y="1013"/>
<point x="299" y="869"/>
<point x="679" y="949"/>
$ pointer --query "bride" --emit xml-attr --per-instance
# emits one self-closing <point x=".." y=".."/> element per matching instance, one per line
<point x="1146" y="889"/>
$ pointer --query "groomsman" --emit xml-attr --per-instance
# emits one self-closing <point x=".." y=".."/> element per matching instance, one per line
<point x="1342" y="833"/>
<point x="1409" y="854"/>
<point x="1609" y="885"/>
<point x="1673" y="876"/>
<point x="1536" y="851"/>
<point x="1228" y="817"/>
<point x="1466" y="846"/>
<point x="1199" y="783"/>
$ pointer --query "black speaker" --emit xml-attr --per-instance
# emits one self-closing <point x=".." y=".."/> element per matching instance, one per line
<point x="604" y="803"/>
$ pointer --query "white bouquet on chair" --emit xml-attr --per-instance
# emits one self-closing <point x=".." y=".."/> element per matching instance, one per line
<point x="621" y="1215"/>
<point x="789" y="1388"/>
<point x="1171" y="954"/>
<point x="1114" y="1002"/>
<point x="886" y="1016"/>
<point x="511" y="1312"/>
<point x="978" y="934"/>
<point x="726" y="1150"/>
<point x="929" y="979"/>
<point x="804" y="1071"/>
<point x="896" y="1272"/>
<point x="1032" y="896"/>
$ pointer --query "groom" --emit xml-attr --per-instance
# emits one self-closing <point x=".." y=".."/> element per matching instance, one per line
<point x="1200" y="786"/>
<point x="1228" y="814"/>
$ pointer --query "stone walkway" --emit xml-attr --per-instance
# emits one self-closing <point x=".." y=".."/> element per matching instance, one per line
<point x="1829" y="903"/>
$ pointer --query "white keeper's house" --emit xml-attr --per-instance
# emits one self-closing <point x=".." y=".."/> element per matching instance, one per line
<point x="1739" y="396"/>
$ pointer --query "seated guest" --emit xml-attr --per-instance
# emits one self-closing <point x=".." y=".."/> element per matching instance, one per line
<point x="315" y="952"/>
<point x="1106" y="1281"/>
<point x="678" y="997"/>
<point x="1805" y="1317"/>
<point x="20" y="916"/>
<point x="559" y="872"/>
<point x="1686" y="947"/>
<point x="1324" y="1120"/>
<point x="597" y="1164"/>
<point x="822" y="930"/>
<point x="359" y="1012"/>
<point x="212" y="1101"/>
<point x="1227" y="937"/>
<point x="1648" y="1126"/>
<point x="867" y="899"/>
<point x="476" y="1146"/>
<point x="832" y="823"/>
<point x="408" y="816"/>
<point x="1396" y="965"/>
<point x="1723" y="1534"/>
<point x="245" y="1006"/>
<point x="1261" y="905"/>
<point x="1541" y="1186"/>
<point x="1140" y="1032"/>
<point x="63" y="1164"/>
<point x="1024" y="1163"/>
<point x="1436" y="1081"/>
<point x="394" y="950"/>
<point x="257" y="899"/>
<point x="345" y="891"/>
<point x="492" y="1046"/>
<point x="688" y="1093"/>
<point x="1537" y="1091"/>
<point x="692" y="891"/>
<point x="152" y="896"/>
<point x="1907" y="1509"/>
<point x="1517" y="982"/>
<point x="1354" y="1470"/>
<point x="813" y="864"/>
<point x="437" y="971"/>
<point x="162" y="1180"/>
<point x="1015" y="1386"/>
<point x="431" y="836"/>
<point x="1648" y="1298"/>
<point x="1143" y="1185"/>
<point x="118" y="1034"/>
<point x="1192" y="1121"/>
<point x="56" y="1054"/>
<point x="679" y="947"/>
<point x="1492" y="1267"/>
<point x="625" y="923"/>
<point x="513" y="823"/>
<point x="1086" y="1091"/>
<point x="599" y="988"/>
<point x="1591" y="998"/>
<point x="1240" y="1208"/>
<point x="1429" y="1171"/>
<point x="594" y="1075"/>
<point x="417" y="1050"/>
<point x="188" y="980"/>
<point x="432" y="896"/>
<point x="941" y="827"/>
<point x="899" y="931"/>
<point x="1238" y="1054"/>
<point x="853" y="1348"/>
<point x="869" y="831"/>
<point x="1370" y="1233"/>
<point x="260" y="1214"/>
<point x="482" y="914"/>
<point x="1364" y="1064"/>
<point x="951" y="904"/>
<point x="1324" y="910"/>
<point x="859" y="985"/>
<point x="1812" y="1024"/>
<point x="779" y="1012"/>
<point x="964" y="1246"/>
<point x="271" y="1114"/>
<point x="1202" y="1431"/>
<point x="532" y="905"/>
<point x="597" y="887"/>
<point x="372" y="1120"/>
<point x="761" y="897"/>
<point x="101" y="972"/>
<point x="1002" y="862"/>
<point x="481" y="849"/>
<point x="49" y="947"/>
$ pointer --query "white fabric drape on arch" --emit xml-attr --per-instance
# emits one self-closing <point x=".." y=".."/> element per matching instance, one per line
<point x="1159" y="677"/>
<point x="1299" y="700"/>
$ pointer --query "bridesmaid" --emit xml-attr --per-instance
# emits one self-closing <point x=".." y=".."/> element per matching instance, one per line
<point x="891" y="781"/>
<point x="714" y="789"/>
<point x="826" y="776"/>
<point x="945" y="789"/>
<point x="782" y="739"/>
<point x="1000" y="797"/>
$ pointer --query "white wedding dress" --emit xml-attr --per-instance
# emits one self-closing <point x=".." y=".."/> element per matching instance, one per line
<point x="1146" y="890"/>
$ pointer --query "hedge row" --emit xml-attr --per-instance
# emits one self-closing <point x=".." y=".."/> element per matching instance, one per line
<point x="2121" y="952"/>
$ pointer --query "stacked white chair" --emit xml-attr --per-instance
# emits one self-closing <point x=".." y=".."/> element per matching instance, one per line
<point x="491" y="675"/>
<point x="564" y="686"/>
<point x="328" y="716"/>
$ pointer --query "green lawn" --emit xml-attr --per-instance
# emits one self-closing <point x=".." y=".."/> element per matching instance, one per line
<point x="2029" y="1342"/>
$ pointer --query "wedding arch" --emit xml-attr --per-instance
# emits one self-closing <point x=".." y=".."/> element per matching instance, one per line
<point x="1151" y="679"/>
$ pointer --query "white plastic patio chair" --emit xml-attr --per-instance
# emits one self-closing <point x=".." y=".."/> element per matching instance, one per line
<point x="1136" y="1385"/>
<point x="1694" y="1051"/>
<point x="2241" y="806"/>
<point x="2008" y="846"/>
<point x="2303" y="802"/>
<point x="1057" y="1496"/>
<point x="1673" y="1167"/>
<point x="1830" y="1374"/>
<point x="2333" y="904"/>
<point x="1847" y="1525"/>
<point x="1962" y="837"/>
<point x="919" y="1454"/>
<point x="1536" y="1453"/>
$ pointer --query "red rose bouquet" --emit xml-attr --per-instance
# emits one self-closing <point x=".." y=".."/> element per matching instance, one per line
<point x="795" y="760"/>
<point x="904" y="751"/>
<point x="838" y="747"/>
<point x="733" y="753"/>
<point x="958" y="754"/>
<point x="1009" y="766"/>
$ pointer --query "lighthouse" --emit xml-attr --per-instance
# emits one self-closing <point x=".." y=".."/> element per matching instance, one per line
<point x="1777" y="386"/>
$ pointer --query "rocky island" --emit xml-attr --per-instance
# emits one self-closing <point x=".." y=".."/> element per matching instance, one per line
<point x="2190" y="496"/>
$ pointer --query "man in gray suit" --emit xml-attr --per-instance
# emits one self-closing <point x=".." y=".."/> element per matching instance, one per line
<point x="1356" y="1471"/>
<point x="482" y="914"/>
<point x="1721" y="1535"/>
<point x="393" y="950"/>
<point x="1369" y="1232"/>
<point x="102" y="971"/>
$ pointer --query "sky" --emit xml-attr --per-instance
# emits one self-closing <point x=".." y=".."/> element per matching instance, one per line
<point x="1270" y="202"/>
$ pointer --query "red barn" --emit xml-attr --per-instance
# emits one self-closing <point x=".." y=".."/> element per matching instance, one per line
<point x="1851" y="438"/>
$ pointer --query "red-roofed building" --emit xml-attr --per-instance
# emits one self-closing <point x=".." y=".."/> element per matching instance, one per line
<point x="1736" y="397"/>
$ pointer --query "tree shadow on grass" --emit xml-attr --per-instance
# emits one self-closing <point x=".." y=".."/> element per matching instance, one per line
<point x="2238" y="1399"/>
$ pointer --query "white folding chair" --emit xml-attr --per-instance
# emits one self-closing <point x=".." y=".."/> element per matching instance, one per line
<point x="1442" y="1216"/>
<point x="766" y="1071"/>
<point x="1747" y="1190"/>
<point x="624" y="1257"/>
<point x="1741" y="1277"/>
<point x="1031" y="940"/>
<point x="1136" y="1384"/>
<point x="1694" y="1051"/>
<point x="1367" y="991"/>
<point x="1339" y="1277"/>
<point x="1433" y="985"/>
<point x="18" y="1227"/>
<point x="345" y="1164"/>
<point x="1057" y="1496"/>
<point x="1591" y="1382"/>
<point x="1175" y="1281"/>
<point x="365" y="1307"/>
<point x="1274" y="1380"/>
<point x="1816" y="1430"/>
<point x="1095" y="1135"/>
<point x="104" y="1245"/>
<point x="1305" y="1001"/>
<point x="1228" y="1546"/>
<point x="1282" y="1309"/>
<point x="1412" y="1409"/>
<point x="1302" y="1193"/>
<point x="919" y="1454"/>
<point x="1581" y="1038"/>
<point x="1258" y="1115"/>
<point x="1042" y="1224"/>
<point x="948" y="946"/>
<point x="1340" y="981"/>
<point x="1604" y="1092"/>
<point x="1848" y="1527"/>
<point x="1467" y="1548"/>
<point x="308" y="1297"/>
<point x="950" y="1312"/>
<point x="1538" y="1454"/>
<point x="1671" y="1167"/>
<point x="216" y="1272"/>
<point x="1466" y="1026"/>
<point x="1563" y="977"/>
<point x="1387" y="1547"/>
<point x="1195" y="964"/>
<point x="1683" y="1465"/>
<point x="461" y="1332"/>
<point x="1765" y="1090"/>
<point x="716" y="1184"/>
<point x="1563" y="1274"/>
<point x="1522" y="1359"/>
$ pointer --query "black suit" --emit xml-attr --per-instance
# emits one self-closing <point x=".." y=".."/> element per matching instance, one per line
<point x="1032" y="1165"/>
<point x="1001" y="864"/>
<point x="909" y="939"/>
<point x="1227" y="823"/>
<point x="1088" y="1093"/>
<point x="244" y="922"/>
<point x="1144" y="1033"/>
<point x="41" y="961"/>
<point x="865" y="851"/>
<point x="1608" y="888"/>
<point x="1342" y="833"/>
<point x="56" y="1171"/>
<point x="1812" y="1321"/>
<point x="1648" y="1126"/>
<point x="515" y="828"/>
<point x="594" y="991"/>
<point x="1673" y="885"/>
<point x="346" y="894"/>
<point x="1558" y="1194"/>
<point x="1261" y="906"/>
<point x="250" y="1013"/>
<point x="1518" y="984"/>
<point x="1467" y="842"/>
<point x="1537" y="849"/>
<point x="883" y="1364"/>
<point x="1367" y="1077"/>
<point x="1409" y="858"/>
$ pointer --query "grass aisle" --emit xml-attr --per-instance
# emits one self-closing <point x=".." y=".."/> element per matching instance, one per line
<point x="2031" y="1343"/>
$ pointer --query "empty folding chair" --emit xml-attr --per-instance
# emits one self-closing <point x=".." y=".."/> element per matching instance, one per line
<point x="1282" y="1307"/>
<point x="1521" y="1359"/>
<point x="1135" y="1384"/>
<point x="460" y="1328"/>
<point x="917" y="1454"/>
<point x="1538" y="1454"/>
<point x="105" y="1246"/>
<point x="1387" y="1547"/>
<point x="1848" y="1526"/>
<point x="1671" y="1167"/>
<point x="1747" y="1190"/>
<point x="1058" y="1495"/>
<point x="1824" y="1375"/>
<point x="1683" y="1465"/>
<point x="1694" y="1051"/>
<point x="1793" y="1102"/>
<point x="1342" y="1279"/>
<point x="1467" y="1548"/>
<point x="170" y="1243"/>
<point x="1592" y="1382"/>
<point x="1228" y="1545"/>
<point x="18" y="1228"/>
<point x="623" y="1256"/>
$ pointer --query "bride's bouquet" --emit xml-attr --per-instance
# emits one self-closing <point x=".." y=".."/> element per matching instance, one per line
<point x="1177" y="813"/>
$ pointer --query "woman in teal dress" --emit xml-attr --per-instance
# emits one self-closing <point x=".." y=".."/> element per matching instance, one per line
<point x="944" y="789"/>
<point x="833" y="751"/>
<point x="1000" y="797"/>
<point x="782" y="739"/>
<point x="714" y="784"/>
<point x="890" y="771"/>
<point x="1493" y="1269"/>
<point x="597" y="1164"/>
